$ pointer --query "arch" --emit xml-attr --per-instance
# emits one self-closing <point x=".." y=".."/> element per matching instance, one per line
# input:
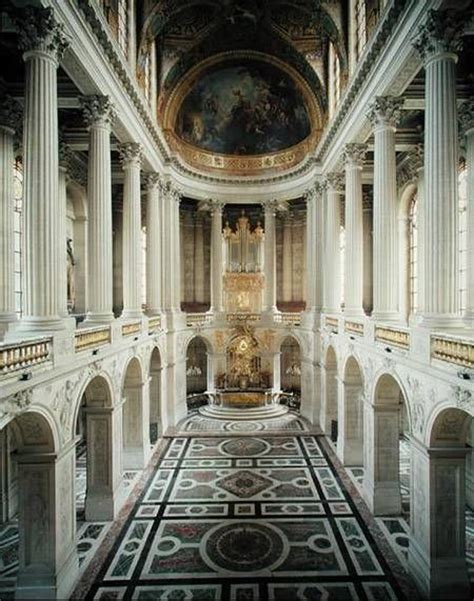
<point x="35" y="432"/>
<point x="329" y="416"/>
<point x="198" y="352"/>
<point x="102" y="388"/>
<point x="155" y="371"/>
<point x="136" y="447"/>
<point x="290" y="363"/>
<point x="449" y="428"/>
<point x="351" y="432"/>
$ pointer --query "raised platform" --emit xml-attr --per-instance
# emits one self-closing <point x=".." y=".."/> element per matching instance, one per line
<point x="243" y="413"/>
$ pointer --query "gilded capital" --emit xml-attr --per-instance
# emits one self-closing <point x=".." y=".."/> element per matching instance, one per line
<point x="385" y="110"/>
<point x="38" y="30"/>
<point x="354" y="154"/>
<point x="439" y="34"/>
<point x="11" y="113"/>
<point x="131" y="153"/>
<point x="466" y="117"/>
<point x="335" y="180"/>
<point x="97" y="110"/>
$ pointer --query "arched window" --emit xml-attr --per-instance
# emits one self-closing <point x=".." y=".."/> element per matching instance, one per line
<point x="413" y="253"/>
<point x="122" y="18"/>
<point x="18" y="235"/>
<point x="360" y="27"/>
<point x="462" y="237"/>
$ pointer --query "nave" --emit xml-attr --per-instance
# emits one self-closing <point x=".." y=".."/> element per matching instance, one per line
<point x="251" y="511"/>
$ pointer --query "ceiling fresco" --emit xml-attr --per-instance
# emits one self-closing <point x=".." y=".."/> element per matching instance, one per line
<point x="244" y="109"/>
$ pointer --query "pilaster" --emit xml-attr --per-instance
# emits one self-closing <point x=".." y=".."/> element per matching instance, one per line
<point x="334" y="185"/>
<point x="154" y="264"/>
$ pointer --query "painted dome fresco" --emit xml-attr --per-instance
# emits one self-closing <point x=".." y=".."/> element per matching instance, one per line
<point x="250" y="108"/>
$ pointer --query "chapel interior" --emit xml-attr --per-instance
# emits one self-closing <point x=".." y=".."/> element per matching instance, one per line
<point x="237" y="300"/>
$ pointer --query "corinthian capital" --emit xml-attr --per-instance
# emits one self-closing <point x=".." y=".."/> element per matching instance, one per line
<point x="38" y="30"/>
<point x="97" y="110"/>
<point x="314" y="193"/>
<point x="354" y="154"/>
<point x="335" y="180"/>
<point x="151" y="180"/>
<point x="466" y="117"/>
<point x="385" y="110"/>
<point x="130" y="153"/>
<point x="10" y="113"/>
<point x="440" y="33"/>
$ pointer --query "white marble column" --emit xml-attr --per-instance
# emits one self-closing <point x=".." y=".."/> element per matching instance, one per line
<point x="287" y="287"/>
<point x="64" y="158"/>
<point x="353" y="273"/>
<point x="216" y="256"/>
<point x="167" y="248"/>
<point x="437" y="43"/>
<point x="436" y="553"/>
<point x="131" y="159"/>
<point x="199" y="257"/>
<point x="271" y="208"/>
<point x="176" y="198"/>
<point x="318" y="252"/>
<point x="367" y="227"/>
<point x="334" y="183"/>
<point x="43" y="42"/>
<point x="466" y="127"/>
<point x="153" y="244"/>
<point x="384" y="114"/>
<point x="309" y="197"/>
<point x="10" y="118"/>
<point x="99" y="116"/>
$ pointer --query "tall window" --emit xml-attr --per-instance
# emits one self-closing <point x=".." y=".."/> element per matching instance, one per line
<point x="462" y="237"/>
<point x="18" y="238"/>
<point x="413" y="254"/>
<point x="147" y="74"/>
<point x="122" y="18"/>
<point x="336" y="76"/>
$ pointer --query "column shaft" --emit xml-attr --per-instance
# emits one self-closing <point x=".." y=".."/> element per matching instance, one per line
<point x="287" y="254"/>
<point x="199" y="259"/>
<point x="270" y="257"/>
<point x="153" y="245"/>
<point x="332" y="247"/>
<point x="466" y="123"/>
<point x="216" y="258"/>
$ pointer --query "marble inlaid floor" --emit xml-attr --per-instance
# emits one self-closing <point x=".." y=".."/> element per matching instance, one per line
<point x="245" y="518"/>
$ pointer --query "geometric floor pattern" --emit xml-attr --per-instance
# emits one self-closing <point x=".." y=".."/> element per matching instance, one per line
<point x="245" y="518"/>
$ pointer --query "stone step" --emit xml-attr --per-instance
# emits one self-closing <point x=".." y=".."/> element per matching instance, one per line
<point x="234" y="413"/>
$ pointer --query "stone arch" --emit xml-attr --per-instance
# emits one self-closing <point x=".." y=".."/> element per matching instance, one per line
<point x="136" y="443"/>
<point x="386" y="479"/>
<point x="329" y="417"/>
<point x="290" y="363"/>
<point x="156" y="394"/>
<point x="198" y="364"/>
<point x="350" y="441"/>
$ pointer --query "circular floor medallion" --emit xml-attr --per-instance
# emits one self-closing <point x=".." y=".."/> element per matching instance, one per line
<point x="244" y="547"/>
<point x="245" y="447"/>
<point x="243" y="426"/>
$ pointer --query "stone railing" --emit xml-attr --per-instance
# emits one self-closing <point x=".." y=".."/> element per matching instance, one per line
<point x="292" y="319"/>
<point x="197" y="319"/>
<point x="18" y="356"/>
<point x="242" y="317"/>
<point x="129" y="329"/>
<point x="154" y="324"/>
<point x="332" y="323"/>
<point x="91" y="338"/>
<point x="392" y="336"/>
<point x="452" y="350"/>
<point x="354" y="327"/>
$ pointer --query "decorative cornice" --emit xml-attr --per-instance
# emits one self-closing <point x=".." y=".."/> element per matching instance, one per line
<point x="38" y="30"/>
<point x="466" y="117"/>
<point x="11" y="113"/>
<point x="385" y="111"/>
<point x="439" y="34"/>
<point x="335" y="180"/>
<point x="97" y="110"/>
<point x="354" y="154"/>
<point x="130" y="153"/>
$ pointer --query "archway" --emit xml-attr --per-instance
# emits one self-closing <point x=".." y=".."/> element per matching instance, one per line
<point x="387" y="449"/>
<point x="351" y="437"/>
<point x="290" y="365"/>
<point x="136" y="439"/>
<point x="98" y="453"/>
<point x="156" y="426"/>
<point x="196" y="366"/>
<point x="330" y="413"/>
<point x="437" y="550"/>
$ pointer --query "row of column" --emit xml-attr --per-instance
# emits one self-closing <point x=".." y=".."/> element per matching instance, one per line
<point x="438" y="205"/>
<point x="44" y="202"/>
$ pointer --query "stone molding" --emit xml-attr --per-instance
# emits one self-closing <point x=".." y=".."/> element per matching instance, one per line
<point x="11" y="113"/>
<point x="130" y="153"/>
<point x="354" y="154"/>
<point x="439" y="34"/>
<point x="39" y="31"/>
<point x="385" y="111"/>
<point x="98" y="111"/>
<point x="466" y="117"/>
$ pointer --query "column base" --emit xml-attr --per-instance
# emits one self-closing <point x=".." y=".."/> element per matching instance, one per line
<point x="383" y="498"/>
<point x="354" y="313"/>
<point x="49" y="586"/>
<point x="441" y="321"/>
<point x="131" y="314"/>
<point x="7" y="322"/>
<point x="39" y="324"/>
<point x="441" y="579"/>
<point x="93" y="319"/>
<point x="386" y="316"/>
